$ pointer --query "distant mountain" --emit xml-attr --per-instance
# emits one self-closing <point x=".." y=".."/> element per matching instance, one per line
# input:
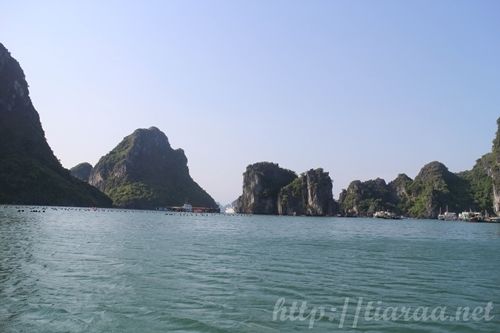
<point x="81" y="171"/>
<point x="144" y="172"/>
<point x="29" y="171"/>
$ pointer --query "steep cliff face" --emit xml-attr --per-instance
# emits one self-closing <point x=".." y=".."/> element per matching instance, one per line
<point x="144" y="172"/>
<point x="495" y="171"/>
<point x="81" y="171"/>
<point x="309" y="194"/>
<point x="29" y="171"/>
<point x="262" y="183"/>
<point x="365" y="198"/>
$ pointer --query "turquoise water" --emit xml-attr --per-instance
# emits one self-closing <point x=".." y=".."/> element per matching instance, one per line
<point x="116" y="271"/>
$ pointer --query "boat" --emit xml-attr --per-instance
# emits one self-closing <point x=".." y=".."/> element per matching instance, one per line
<point x="448" y="216"/>
<point x="382" y="214"/>
<point x="229" y="210"/>
<point x="472" y="217"/>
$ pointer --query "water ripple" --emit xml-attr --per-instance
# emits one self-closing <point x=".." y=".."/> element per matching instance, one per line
<point x="129" y="271"/>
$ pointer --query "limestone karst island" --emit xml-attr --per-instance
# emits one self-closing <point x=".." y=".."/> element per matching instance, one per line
<point x="250" y="166"/>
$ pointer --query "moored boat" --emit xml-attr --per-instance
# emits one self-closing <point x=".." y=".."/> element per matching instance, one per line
<point x="472" y="217"/>
<point x="386" y="215"/>
<point x="448" y="216"/>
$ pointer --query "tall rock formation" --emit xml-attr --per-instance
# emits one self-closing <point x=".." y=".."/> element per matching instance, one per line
<point x="310" y="194"/>
<point x="144" y="172"/>
<point x="81" y="171"/>
<point x="262" y="183"/>
<point x="29" y="171"/>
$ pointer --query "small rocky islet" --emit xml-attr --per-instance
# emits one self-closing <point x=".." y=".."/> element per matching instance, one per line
<point x="143" y="171"/>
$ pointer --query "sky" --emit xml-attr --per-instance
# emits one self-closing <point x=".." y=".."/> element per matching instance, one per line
<point x="363" y="89"/>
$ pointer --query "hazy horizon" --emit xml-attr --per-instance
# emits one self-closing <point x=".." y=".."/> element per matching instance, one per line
<point x="361" y="89"/>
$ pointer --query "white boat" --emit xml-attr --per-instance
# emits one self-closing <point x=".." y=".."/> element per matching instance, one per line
<point x="386" y="215"/>
<point x="471" y="217"/>
<point x="187" y="208"/>
<point x="448" y="216"/>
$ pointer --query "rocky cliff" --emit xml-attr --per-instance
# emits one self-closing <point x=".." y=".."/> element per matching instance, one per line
<point x="310" y="194"/>
<point x="262" y="183"/>
<point x="81" y="171"/>
<point x="29" y="171"/>
<point x="143" y="171"/>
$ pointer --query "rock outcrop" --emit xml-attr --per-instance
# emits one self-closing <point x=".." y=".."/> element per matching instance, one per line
<point x="262" y="183"/>
<point x="29" y="171"/>
<point x="144" y="172"/>
<point x="81" y="171"/>
<point x="309" y="194"/>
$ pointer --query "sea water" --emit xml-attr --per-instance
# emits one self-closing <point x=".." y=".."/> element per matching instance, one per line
<point x="85" y="270"/>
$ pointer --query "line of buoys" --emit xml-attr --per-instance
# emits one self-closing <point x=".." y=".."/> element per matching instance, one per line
<point x="43" y="209"/>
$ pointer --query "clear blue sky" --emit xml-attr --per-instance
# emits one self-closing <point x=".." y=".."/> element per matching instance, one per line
<point x="360" y="88"/>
